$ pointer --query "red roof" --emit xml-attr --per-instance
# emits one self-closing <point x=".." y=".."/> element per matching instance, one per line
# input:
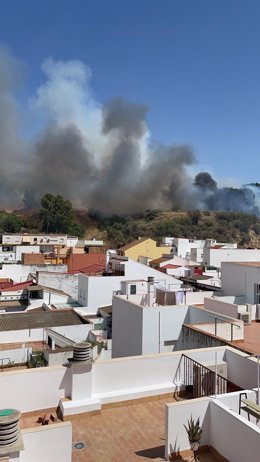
<point x="17" y="286"/>
<point x="87" y="262"/>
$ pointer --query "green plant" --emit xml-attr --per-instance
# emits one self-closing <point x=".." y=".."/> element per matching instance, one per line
<point x="36" y="360"/>
<point x="194" y="432"/>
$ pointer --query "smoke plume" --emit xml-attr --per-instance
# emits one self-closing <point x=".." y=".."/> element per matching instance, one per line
<point x="101" y="157"/>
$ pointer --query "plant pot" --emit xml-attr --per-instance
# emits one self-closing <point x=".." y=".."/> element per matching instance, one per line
<point x="194" y="445"/>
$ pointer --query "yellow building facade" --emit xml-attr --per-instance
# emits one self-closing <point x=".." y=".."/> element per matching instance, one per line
<point x="144" y="247"/>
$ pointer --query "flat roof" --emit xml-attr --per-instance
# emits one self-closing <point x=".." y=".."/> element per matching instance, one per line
<point x="252" y="264"/>
<point x="251" y="342"/>
<point x="134" y="280"/>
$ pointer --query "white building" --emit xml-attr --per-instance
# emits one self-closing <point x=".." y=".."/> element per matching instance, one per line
<point x="215" y="256"/>
<point x="37" y="239"/>
<point x="13" y="253"/>
<point x="139" y="328"/>
<point x="242" y="279"/>
<point x="67" y="283"/>
<point x="182" y="247"/>
<point x="97" y="291"/>
<point x="18" y="272"/>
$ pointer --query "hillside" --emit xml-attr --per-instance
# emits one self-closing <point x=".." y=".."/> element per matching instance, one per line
<point x="116" y="231"/>
<point x="222" y="226"/>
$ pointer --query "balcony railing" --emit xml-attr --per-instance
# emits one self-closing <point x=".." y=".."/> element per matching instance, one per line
<point x="201" y="381"/>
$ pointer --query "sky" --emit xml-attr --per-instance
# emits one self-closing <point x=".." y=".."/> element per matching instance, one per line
<point x="195" y="64"/>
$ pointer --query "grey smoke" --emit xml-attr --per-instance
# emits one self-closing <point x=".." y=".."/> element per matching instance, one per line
<point x="229" y="199"/>
<point x="60" y="164"/>
<point x="99" y="157"/>
<point x="205" y="181"/>
<point x="125" y="184"/>
<point x="11" y="144"/>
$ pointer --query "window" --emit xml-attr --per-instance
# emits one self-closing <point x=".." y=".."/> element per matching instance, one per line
<point x="132" y="289"/>
<point x="257" y="293"/>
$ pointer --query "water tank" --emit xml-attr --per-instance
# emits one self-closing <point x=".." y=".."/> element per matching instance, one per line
<point x="9" y="426"/>
<point x="81" y="351"/>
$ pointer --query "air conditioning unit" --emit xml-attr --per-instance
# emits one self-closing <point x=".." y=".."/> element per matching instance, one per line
<point x="246" y="317"/>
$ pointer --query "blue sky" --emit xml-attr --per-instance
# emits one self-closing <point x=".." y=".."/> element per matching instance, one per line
<point x="196" y="64"/>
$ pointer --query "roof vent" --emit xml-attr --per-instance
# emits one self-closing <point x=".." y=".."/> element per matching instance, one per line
<point x="81" y="351"/>
<point x="9" y="426"/>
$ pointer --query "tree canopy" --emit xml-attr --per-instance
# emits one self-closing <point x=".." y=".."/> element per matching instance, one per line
<point x="58" y="216"/>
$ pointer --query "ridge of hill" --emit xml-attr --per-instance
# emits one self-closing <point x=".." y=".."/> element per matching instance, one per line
<point x="222" y="226"/>
<point x="117" y="230"/>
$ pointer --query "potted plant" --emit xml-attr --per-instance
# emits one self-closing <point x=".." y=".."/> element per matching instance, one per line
<point x="194" y="432"/>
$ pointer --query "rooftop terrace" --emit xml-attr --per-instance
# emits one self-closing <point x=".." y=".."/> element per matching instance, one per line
<point x="251" y="342"/>
<point x="132" y="434"/>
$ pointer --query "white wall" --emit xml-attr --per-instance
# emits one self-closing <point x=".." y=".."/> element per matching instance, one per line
<point x="7" y="256"/>
<point x="224" y="330"/>
<point x="114" y="380"/>
<point x="18" y="355"/>
<point x="77" y="333"/>
<point x="132" y="375"/>
<point x="177" y="415"/>
<point x="196" y="254"/>
<point x="184" y="246"/>
<point x="23" y="335"/>
<point x="127" y="328"/>
<point x="196" y="298"/>
<point x="231" y="400"/>
<point x="214" y="257"/>
<point x="241" y="370"/>
<point x="33" y="389"/>
<point x="221" y="307"/>
<point x="20" y="249"/>
<point x="233" y="436"/>
<point x="19" y="272"/>
<point x="56" y="358"/>
<point x="144" y="330"/>
<point x="135" y="270"/>
<point x="149" y="330"/>
<point x="67" y="283"/>
<point x="72" y="241"/>
<point x="95" y="291"/>
<point x="51" y="443"/>
<point x="240" y="280"/>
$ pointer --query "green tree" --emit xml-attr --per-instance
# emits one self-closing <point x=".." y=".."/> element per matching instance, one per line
<point x="11" y="223"/>
<point x="57" y="214"/>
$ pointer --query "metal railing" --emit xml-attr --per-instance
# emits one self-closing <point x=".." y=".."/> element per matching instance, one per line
<point x="201" y="381"/>
<point x="4" y="359"/>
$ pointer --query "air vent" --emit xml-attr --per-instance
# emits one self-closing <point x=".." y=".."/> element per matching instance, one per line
<point x="246" y="317"/>
<point x="9" y="426"/>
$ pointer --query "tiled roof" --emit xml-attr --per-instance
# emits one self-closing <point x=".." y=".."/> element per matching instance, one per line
<point x="17" y="286"/>
<point x="28" y="320"/>
<point x="133" y="243"/>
